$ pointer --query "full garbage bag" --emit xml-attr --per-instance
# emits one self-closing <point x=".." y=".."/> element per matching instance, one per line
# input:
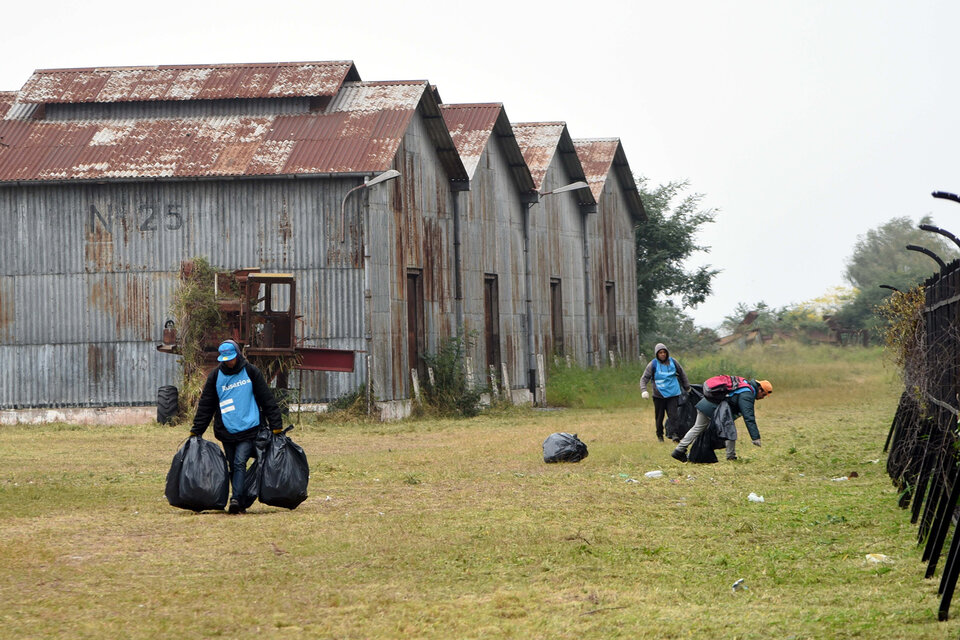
<point x="198" y="478"/>
<point x="715" y="436"/>
<point x="283" y="472"/>
<point x="563" y="447"/>
<point x="686" y="412"/>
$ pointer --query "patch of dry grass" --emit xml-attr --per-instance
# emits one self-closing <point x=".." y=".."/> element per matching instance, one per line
<point x="456" y="529"/>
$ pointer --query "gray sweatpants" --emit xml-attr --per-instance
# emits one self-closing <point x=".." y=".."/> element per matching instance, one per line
<point x="703" y="421"/>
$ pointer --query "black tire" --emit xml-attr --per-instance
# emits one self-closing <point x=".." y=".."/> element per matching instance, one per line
<point x="168" y="404"/>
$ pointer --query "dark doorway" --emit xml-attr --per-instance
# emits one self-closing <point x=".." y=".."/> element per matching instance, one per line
<point x="556" y="315"/>
<point x="415" y="321"/>
<point x="612" y="344"/>
<point x="491" y="320"/>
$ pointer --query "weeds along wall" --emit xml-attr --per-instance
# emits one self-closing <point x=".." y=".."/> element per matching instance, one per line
<point x="923" y="335"/>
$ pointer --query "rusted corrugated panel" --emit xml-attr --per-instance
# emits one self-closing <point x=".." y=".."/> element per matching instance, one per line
<point x="596" y="156"/>
<point x="341" y="142"/>
<point x="7" y="99"/>
<point x="360" y="132"/>
<point x="99" y="375"/>
<point x="200" y="82"/>
<point x="470" y="127"/>
<point x="378" y="96"/>
<point x="538" y="141"/>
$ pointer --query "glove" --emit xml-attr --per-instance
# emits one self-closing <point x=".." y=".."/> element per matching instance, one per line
<point x="192" y="434"/>
<point x="757" y="442"/>
<point x="645" y="395"/>
<point x="277" y="432"/>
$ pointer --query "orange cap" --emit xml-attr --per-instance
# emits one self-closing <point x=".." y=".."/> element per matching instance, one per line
<point x="766" y="386"/>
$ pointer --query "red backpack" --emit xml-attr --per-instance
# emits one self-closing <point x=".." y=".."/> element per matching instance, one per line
<point x="716" y="388"/>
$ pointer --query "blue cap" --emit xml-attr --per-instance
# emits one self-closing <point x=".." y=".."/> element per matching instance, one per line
<point x="228" y="351"/>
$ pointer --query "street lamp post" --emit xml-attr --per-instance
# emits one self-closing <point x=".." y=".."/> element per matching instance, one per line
<point x="531" y="200"/>
<point x="383" y="177"/>
<point x="390" y="174"/>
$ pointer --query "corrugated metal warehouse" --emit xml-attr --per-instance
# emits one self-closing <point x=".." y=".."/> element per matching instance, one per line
<point x="111" y="177"/>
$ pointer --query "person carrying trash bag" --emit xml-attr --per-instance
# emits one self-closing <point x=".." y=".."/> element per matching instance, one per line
<point x="740" y="395"/>
<point x="670" y="384"/>
<point x="236" y="397"/>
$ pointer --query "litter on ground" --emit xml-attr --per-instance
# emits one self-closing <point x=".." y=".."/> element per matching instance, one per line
<point x="754" y="497"/>
<point x="654" y="474"/>
<point x="878" y="558"/>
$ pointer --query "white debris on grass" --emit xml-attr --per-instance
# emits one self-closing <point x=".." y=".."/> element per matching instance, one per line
<point x="878" y="558"/>
<point x="654" y="474"/>
<point x="754" y="497"/>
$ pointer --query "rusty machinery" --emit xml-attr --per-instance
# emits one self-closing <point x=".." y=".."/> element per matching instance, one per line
<point x="259" y="313"/>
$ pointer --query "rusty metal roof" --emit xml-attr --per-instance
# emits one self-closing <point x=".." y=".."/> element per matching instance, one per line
<point x="196" y="82"/>
<point x="359" y="132"/>
<point x="7" y="98"/>
<point x="598" y="156"/>
<point x="540" y="142"/>
<point x="471" y="126"/>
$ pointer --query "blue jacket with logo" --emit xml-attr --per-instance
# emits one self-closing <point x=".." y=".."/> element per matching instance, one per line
<point x="244" y="398"/>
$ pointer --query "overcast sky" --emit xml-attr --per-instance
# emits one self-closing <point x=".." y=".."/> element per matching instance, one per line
<point x="804" y="122"/>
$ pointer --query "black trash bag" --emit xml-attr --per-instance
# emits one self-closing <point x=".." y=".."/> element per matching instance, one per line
<point x="686" y="413"/>
<point x="283" y="472"/>
<point x="198" y="478"/>
<point x="564" y="447"/>
<point x="715" y="436"/>
<point x="701" y="451"/>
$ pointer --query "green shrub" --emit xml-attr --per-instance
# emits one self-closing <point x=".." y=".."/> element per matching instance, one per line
<point x="450" y="394"/>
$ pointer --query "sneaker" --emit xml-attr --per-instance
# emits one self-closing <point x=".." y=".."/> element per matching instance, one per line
<point x="679" y="454"/>
<point x="660" y="438"/>
<point x="733" y="458"/>
<point x="234" y="507"/>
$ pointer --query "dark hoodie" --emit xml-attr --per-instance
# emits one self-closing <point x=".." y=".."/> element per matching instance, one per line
<point x="209" y="405"/>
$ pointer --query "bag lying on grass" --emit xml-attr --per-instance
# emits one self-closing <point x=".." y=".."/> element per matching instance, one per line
<point x="563" y="447"/>
<point x="283" y="472"/>
<point x="198" y="477"/>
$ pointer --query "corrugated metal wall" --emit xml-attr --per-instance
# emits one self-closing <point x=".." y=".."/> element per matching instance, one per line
<point x="492" y="243"/>
<point x="90" y="269"/>
<point x="411" y="227"/>
<point x="557" y="246"/>
<point x="175" y="109"/>
<point x="612" y="256"/>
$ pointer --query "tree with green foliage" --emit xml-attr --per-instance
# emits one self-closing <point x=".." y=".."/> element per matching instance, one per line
<point x="663" y="243"/>
<point x="880" y="257"/>
<point x="677" y="330"/>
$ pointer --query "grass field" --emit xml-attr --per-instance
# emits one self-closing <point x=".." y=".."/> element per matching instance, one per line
<point x="457" y="529"/>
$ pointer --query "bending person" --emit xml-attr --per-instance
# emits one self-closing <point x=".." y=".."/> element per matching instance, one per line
<point x="741" y="401"/>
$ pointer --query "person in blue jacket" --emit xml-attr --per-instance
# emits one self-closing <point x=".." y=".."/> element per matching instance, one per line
<point x="236" y="397"/>
<point x="741" y="401"/>
<point x="669" y="380"/>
